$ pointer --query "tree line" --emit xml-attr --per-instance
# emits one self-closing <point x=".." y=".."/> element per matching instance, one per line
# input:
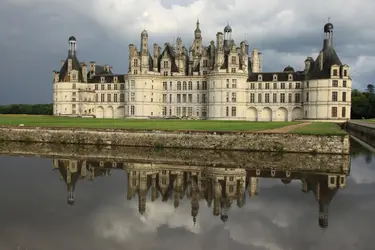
<point x="363" y="103"/>
<point x="363" y="106"/>
<point x="27" y="109"/>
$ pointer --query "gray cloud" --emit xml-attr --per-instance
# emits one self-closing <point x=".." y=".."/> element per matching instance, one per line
<point x="33" y="34"/>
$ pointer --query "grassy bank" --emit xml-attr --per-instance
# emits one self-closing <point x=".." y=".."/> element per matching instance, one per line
<point x="320" y="128"/>
<point x="134" y="124"/>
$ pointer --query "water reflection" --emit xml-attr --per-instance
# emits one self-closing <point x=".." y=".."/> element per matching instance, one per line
<point x="218" y="187"/>
<point x="186" y="199"/>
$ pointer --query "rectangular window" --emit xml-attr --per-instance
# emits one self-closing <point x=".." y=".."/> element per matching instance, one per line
<point x="122" y="98"/>
<point x="267" y="85"/>
<point x="178" y="85"/>
<point x="307" y="96"/>
<point x="132" y="110"/>
<point x="102" y="98"/>
<point x="96" y="98"/>
<point x="109" y="86"/>
<point x="334" y="96"/>
<point x="298" y="85"/>
<point x="282" y="97"/>
<point x="96" y="86"/>
<point x="190" y="86"/>
<point x="115" y="98"/>
<point x="204" y="98"/>
<point x="252" y="85"/>
<point x="109" y="98"/>
<point x="198" y="99"/>
<point x="132" y="96"/>
<point x="190" y="98"/>
<point x="290" y="85"/>
<point x="234" y="97"/>
<point x="343" y="112"/>
<point x="184" y="86"/>
<point x="227" y="111"/>
<point x="227" y="83"/>
<point x="233" y="60"/>
<point x="227" y="96"/>
<point x="190" y="111"/>
<point x="290" y="97"/>
<point x="283" y="85"/>
<point x="252" y="98"/>
<point x="178" y="111"/>
<point x="102" y="86"/>
<point x="164" y="98"/>
<point x="259" y="85"/>
<point x="197" y="85"/>
<point x="335" y="83"/>
<point x="345" y="72"/>
<point x="165" y="85"/>
<point x="267" y="98"/>
<point x="184" y="98"/>
<point x="334" y="111"/>
<point x="344" y="96"/>
<point x="234" y="83"/>
<point x="297" y="98"/>
<point x="275" y="85"/>
<point x="274" y="97"/>
<point x="178" y="98"/>
<point x="344" y="83"/>
<point x="259" y="97"/>
<point x="122" y="86"/>
<point x="234" y="111"/>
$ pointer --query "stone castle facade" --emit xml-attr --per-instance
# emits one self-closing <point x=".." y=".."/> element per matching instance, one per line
<point x="221" y="81"/>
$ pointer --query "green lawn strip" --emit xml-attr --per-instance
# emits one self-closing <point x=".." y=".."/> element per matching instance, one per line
<point x="137" y="124"/>
<point x="371" y="120"/>
<point x="320" y="128"/>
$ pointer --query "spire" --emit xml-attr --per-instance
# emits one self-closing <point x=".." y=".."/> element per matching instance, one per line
<point x="197" y="32"/>
<point x="72" y="46"/>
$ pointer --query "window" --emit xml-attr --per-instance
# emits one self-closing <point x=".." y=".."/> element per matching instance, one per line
<point x="102" y="87"/>
<point x="234" y="83"/>
<point x="252" y="98"/>
<point x="135" y="62"/>
<point x="178" y="98"/>
<point x="178" y="85"/>
<point x="132" y="110"/>
<point x="96" y="87"/>
<point x="335" y="83"/>
<point x="274" y="98"/>
<point x="260" y="85"/>
<point x="267" y="98"/>
<point x="252" y="85"/>
<point x="122" y="86"/>
<point x="259" y="98"/>
<point x="190" y="85"/>
<point x="190" y="111"/>
<point x="204" y="85"/>
<point x="204" y="112"/>
<point x="298" y="85"/>
<point x="165" y="64"/>
<point x="267" y="85"/>
<point x="282" y="97"/>
<point x="135" y="72"/>
<point x="132" y="96"/>
<point x="204" y="98"/>
<point x="290" y="97"/>
<point x="334" y="96"/>
<point x="259" y="77"/>
<point x="334" y="111"/>
<point x="96" y="98"/>
<point x="164" y="98"/>
<point x="344" y="96"/>
<point x="345" y="72"/>
<point x="115" y="86"/>
<point x="227" y="111"/>
<point x="184" y="98"/>
<point x="275" y="85"/>
<point x="205" y="63"/>
<point x="198" y="112"/>
<point x="170" y="97"/>
<point x="234" y="111"/>
<point x="307" y="96"/>
<point x="164" y="111"/>
<point x="190" y="98"/>
<point x="198" y="99"/>
<point x="183" y="111"/>
<point x="122" y="98"/>
<point x="227" y="83"/>
<point x="234" y="97"/>
<point x="283" y="85"/>
<point x="344" y="84"/>
<point x="178" y="111"/>
<point x="335" y="72"/>
<point x="233" y="60"/>
<point x="307" y="84"/>
<point x="297" y="98"/>
<point x="343" y="112"/>
<point x="165" y="86"/>
<point x="227" y="96"/>
<point x="109" y="98"/>
<point x="197" y="85"/>
<point x="74" y="86"/>
<point x="115" y="98"/>
<point x="233" y="70"/>
<point x="109" y="87"/>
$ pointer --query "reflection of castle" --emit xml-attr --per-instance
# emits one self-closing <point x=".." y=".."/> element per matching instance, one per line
<point x="219" y="187"/>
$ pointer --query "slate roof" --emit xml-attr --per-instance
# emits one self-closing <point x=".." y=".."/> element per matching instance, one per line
<point x="170" y="51"/>
<point x="330" y="58"/>
<point x="64" y="74"/>
<point x="281" y="76"/>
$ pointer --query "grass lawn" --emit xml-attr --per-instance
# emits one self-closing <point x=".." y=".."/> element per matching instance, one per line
<point x="320" y="128"/>
<point x="202" y="125"/>
<point x="371" y="120"/>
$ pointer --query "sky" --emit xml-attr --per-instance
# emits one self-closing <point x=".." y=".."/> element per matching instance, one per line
<point x="34" y="214"/>
<point x="34" y="34"/>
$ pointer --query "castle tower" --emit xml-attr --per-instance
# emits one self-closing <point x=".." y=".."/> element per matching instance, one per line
<point x="144" y="52"/>
<point x="227" y="38"/>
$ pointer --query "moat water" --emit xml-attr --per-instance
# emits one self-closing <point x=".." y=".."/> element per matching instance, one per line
<point x="62" y="203"/>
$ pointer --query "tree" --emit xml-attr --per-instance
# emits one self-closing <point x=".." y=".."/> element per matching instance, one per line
<point x="370" y="89"/>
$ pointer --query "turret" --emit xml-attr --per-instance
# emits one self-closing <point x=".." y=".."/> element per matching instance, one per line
<point x="72" y="46"/>
<point x="144" y="52"/>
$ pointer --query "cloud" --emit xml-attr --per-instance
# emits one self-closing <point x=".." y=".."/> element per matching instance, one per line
<point x="286" y="33"/>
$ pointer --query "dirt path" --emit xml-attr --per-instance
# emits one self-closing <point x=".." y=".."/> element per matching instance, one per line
<point x="285" y="129"/>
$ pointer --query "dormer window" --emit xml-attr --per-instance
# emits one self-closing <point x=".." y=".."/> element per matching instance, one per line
<point x="275" y="77"/>
<point x="335" y="72"/>
<point x="259" y="77"/>
<point x="115" y="79"/>
<point x="102" y="79"/>
<point x="290" y="77"/>
<point x="165" y="64"/>
<point x="345" y="72"/>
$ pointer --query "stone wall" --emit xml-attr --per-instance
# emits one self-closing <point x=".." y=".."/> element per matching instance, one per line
<point x="362" y="132"/>
<point x="187" y="140"/>
<point x="182" y="157"/>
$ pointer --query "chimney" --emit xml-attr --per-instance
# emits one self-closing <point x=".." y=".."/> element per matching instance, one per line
<point x="70" y="64"/>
